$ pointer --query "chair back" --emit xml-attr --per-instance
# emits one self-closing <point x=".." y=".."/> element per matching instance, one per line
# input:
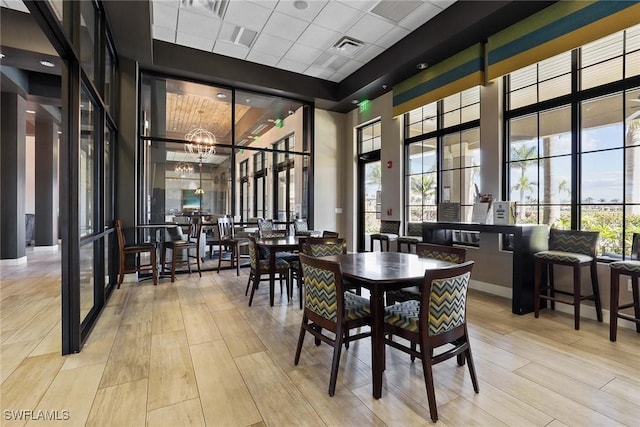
<point x="253" y="253"/>
<point x="174" y="233"/>
<point x="266" y="230"/>
<point x="635" y="247"/>
<point x="323" y="287"/>
<point x="300" y="225"/>
<point x="225" y="228"/>
<point x="195" y="229"/>
<point x="327" y="233"/>
<point x="121" y="240"/>
<point x="444" y="299"/>
<point x="574" y="241"/>
<point x="390" y="227"/>
<point x="414" y="229"/>
<point x="452" y="254"/>
<point x="319" y="247"/>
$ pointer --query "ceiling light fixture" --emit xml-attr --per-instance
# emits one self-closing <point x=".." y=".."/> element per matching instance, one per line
<point x="354" y="101"/>
<point x="221" y="95"/>
<point x="1" y="55"/>
<point x="31" y="112"/>
<point x="300" y="4"/>
<point x="422" y="66"/>
<point x="47" y="64"/>
<point x="291" y="112"/>
<point x="184" y="168"/>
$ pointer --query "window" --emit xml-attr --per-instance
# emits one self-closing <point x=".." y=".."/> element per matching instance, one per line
<point x="260" y="189"/>
<point x="572" y="154"/>
<point x="442" y="155"/>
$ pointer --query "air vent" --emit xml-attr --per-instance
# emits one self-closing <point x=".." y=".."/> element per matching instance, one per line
<point x="243" y="36"/>
<point x="259" y="129"/>
<point x="348" y="46"/>
<point x="330" y="62"/>
<point x="395" y="11"/>
<point x="217" y="7"/>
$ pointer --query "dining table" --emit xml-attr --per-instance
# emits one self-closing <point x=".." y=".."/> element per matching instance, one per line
<point x="274" y="245"/>
<point x="380" y="272"/>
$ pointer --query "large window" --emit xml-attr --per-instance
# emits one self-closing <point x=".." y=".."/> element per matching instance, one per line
<point x="573" y="141"/>
<point x="442" y="155"/>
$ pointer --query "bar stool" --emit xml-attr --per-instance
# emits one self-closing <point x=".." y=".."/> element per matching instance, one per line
<point x="389" y="231"/>
<point x="575" y="249"/>
<point x="628" y="268"/>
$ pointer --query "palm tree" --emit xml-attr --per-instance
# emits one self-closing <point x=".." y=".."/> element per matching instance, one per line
<point x="523" y="185"/>
<point x="425" y="187"/>
<point x="523" y="156"/>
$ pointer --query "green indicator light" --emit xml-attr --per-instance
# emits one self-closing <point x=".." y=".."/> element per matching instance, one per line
<point x="279" y="123"/>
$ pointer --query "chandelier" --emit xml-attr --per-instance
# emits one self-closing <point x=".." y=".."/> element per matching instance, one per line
<point x="184" y="168"/>
<point x="200" y="145"/>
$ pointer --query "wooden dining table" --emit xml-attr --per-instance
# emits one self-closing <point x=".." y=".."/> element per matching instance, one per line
<point x="274" y="245"/>
<point x="380" y="272"/>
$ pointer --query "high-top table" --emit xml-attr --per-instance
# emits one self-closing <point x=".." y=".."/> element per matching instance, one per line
<point x="274" y="245"/>
<point x="380" y="272"/>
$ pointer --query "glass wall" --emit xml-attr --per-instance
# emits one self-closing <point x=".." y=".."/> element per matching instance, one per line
<point x="213" y="150"/>
<point x="572" y="140"/>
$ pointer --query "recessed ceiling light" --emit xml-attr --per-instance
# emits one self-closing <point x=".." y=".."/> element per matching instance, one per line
<point x="300" y="4"/>
<point x="422" y="66"/>
<point x="47" y="64"/>
<point x="31" y="112"/>
<point x="354" y="101"/>
<point x="59" y="132"/>
<point x="290" y="112"/>
<point x="270" y="120"/>
<point x="247" y="100"/>
<point x="384" y="86"/>
<point x="221" y="95"/>
<point x="1" y="55"/>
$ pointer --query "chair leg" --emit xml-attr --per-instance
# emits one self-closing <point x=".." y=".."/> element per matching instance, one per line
<point x="596" y="290"/>
<point x="121" y="272"/>
<point x="428" y="379"/>
<point x="256" y="278"/>
<point x="576" y="296"/>
<point x="237" y="251"/>
<point x="536" y="288"/>
<point x="552" y="287"/>
<point x="303" y="330"/>
<point x="613" y="309"/>
<point x="371" y="244"/>
<point x="636" y="300"/>
<point x="173" y="264"/>
<point x="337" y="350"/>
<point x="472" y="367"/>
<point x="246" y="291"/>
<point x="198" y="261"/>
<point x="154" y="267"/>
<point x="220" y="257"/>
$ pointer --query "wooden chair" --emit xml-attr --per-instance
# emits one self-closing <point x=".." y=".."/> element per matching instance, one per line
<point x="629" y="268"/>
<point x="388" y="233"/>
<point x="413" y="236"/>
<point x="260" y="267"/>
<point x="575" y="249"/>
<point x="301" y="228"/>
<point x="267" y="230"/>
<point x="328" y="307"/>
<point x="327" y="233"/>
<point x="228" y="241"/>
<point x="178" y="246"/>
<point x="438" y="319"/>
<point x="136" y="250"/>
<point x="452" y="254"/>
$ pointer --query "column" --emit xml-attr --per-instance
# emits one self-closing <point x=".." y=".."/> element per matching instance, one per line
<point x="46" y="188"/>
<point x="12" y="178"/>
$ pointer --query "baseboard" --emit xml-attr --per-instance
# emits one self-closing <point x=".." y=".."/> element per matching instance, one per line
<point x="586" y="311"/>
<point x="13" y="261"/>
<point x="53" y="248"/>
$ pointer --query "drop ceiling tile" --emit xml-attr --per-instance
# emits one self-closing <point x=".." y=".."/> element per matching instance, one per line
<point x="284" y="26"/>
<point x="245" y="14"/>
<point x="392" y="37"/>
<point x="308" y="14"/>
<point x="319" y="72"/>
<point x="16" y="5"/>
<point x="421" y="15"/>
<point x="369" y="28"/>
<point x="319" y="37"/>
<point x="262" y="58"/>
<point x="165" y="15"/>
<point x="271" y="4"/>
<point x="302" y="54"/>
<point x="338" y="76"/>
<point x="337" y="16"/>
<point x="230" y="49"/>
<point x="288" y="64"/>
<point x="363" y="5"/>
<point x="442" y="4"/>
<point x="195" y="42"/>
<point x="198" y="25"/>
<point x="368" y="53"/>
<point x="350" y="67"/>
<point x="272" y="45"/>
<point x="164" y="34"/>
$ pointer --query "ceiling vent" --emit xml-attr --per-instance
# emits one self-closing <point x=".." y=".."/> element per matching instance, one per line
<point x="259" y="129"/>
<point x="348" y="46"/>
<point x="217" y="7"/>
<point x="329" y="61"/>
<point x="243" y="36"/>
<point x="395" y="11"/>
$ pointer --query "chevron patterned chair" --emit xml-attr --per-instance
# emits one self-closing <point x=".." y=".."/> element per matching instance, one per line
<point x="434" y="322"/>
<point x="575" y="249"/>
<point x="388" y="233"/>
<point x="328" y="307"/>
<point x="260" y="267"/>
<point x="629" y="268"/>
<point x="452" y="254"/>
<point x="413" y="236"/>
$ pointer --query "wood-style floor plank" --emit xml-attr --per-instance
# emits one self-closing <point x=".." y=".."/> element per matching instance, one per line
<point x="120" y="405"/>
<point x="185" y="414"/>
<point x="199" y="324"/>
<point x="129" y="358"/>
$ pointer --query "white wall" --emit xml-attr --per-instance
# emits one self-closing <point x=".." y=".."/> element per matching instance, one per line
<point x="30" y="176"/>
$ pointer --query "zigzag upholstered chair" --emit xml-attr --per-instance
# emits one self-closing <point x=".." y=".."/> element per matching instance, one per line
<point x="328" y="307"/>
<point x="438" y="319"/>
<point x="575" y="249"/>
<point x="629" y="268"/>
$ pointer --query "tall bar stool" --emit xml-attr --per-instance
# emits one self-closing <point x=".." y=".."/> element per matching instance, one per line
<point x="575" y="249"/>
<point x="628" y="268"/>
<point x="389" y="231"/>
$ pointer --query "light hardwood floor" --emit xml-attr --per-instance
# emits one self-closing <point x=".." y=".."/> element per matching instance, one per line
<point x="193" y="353"/>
